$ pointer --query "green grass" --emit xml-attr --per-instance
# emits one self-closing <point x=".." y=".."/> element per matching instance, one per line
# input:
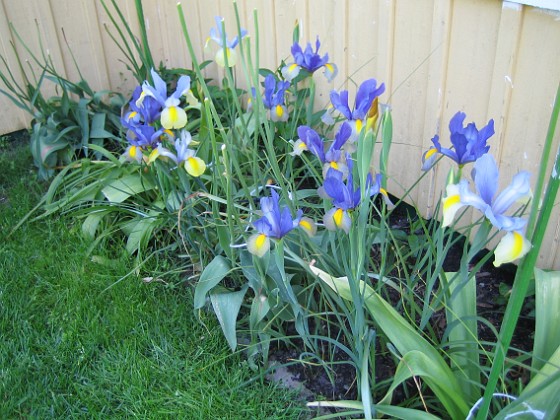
<point x="74" y="347"/>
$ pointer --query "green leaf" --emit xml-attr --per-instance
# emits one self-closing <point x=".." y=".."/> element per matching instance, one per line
<point x="226" y="306"/>
<point x="403" y="336"/>
<point x="83" y="121"/>
<point x="386" y="139"/>
<point x="540" y="395"/>
<point x="97" y="130"/>
<point x="461" y="316"/>
<point x="547" y="332"/>
<point x="140" y="232"/>
<point x="213" y="273"/>
<point x="90" y="224"/>
<point x="121" y="189"/>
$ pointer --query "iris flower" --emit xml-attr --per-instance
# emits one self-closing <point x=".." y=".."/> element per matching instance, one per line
<point x="468" y="142"/>
<point x="485" y="174"/>
<point x="172" y="115"/>
<point x="273" y="98"/>
<point x="334" y="156"/>
<point x="226" y="49"/>
<point x="344" y="197"/>
<point x="365" y="106"/>
<point x="276" y="223"/>
<point x="140" y="137"/>
<point x="184" y="156"/>
<point x="147" y="110"/>
<point x="310" y="61"/>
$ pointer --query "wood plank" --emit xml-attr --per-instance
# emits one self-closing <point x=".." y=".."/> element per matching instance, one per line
<point x="408" y="96"/>
<point x="427" y="196"/>
<point x="12" y="118"/>
<point x="120" y="77"/>
<point x="535" y="79"/>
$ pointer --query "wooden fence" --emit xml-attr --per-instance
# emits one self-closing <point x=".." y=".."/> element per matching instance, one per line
<point x="489" y="58"/>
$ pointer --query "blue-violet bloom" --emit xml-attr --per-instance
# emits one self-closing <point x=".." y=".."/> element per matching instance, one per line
<point x="485" y="173"/>
<point x="364" y="104"/>
<point x="274" y="98"/>
<point x="172" y="115"/>
<point x="310" y="61"/>
<point x="468" y="142"/>
<point x="184" y="156"/>
<point x="276" y="223"/>
<point x="334" y="157"/>
<point x="226" y="49"/>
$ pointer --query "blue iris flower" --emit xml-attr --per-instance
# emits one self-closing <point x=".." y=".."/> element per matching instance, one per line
<point x="274" y="98"/>
<point x="149" y="109"/>
<point x="276" y="223"/>
<point x="226" y="52"/>
<point x="309" y="60"/>
<point x="143" y="135"/>
<point x="469" y="143"/>
<point x="333" y="157"/>
<point x="172" y="115"/>
<point x="217" y="35"/>
<point x="345" y="197"/>
<point x="486" y="176"/>
<point x="363" y="104"/>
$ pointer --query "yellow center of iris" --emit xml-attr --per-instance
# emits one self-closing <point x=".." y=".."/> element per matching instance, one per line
<point x="172" y="113"/>
<point x="261" y="240"/>
<point x="517" y="244"/>
<point x="132" y="151"/>
<point x="450" y="201"/>
<point x="359" y="124"/>
<point x="334" y="165"/>
<point x="279" y="111"/>
<point x="132" y="115"/>
<point x="293" y="67"/>
<point x="305" y="224"/>
<point x="337" y="216"/>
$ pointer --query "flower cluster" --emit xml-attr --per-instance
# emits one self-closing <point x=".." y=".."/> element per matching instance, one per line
<point x="335" y="156"/>
<point x="469" y="145"/>
<point x="153" y="116"/>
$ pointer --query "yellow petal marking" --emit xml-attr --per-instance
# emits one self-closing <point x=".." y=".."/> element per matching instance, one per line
<point x="195" y="166"/>
<point x="430" y="153"/>
<point x="450" y="201"/>
<point x="359" y="124"/>
<point x="337" y="217"/>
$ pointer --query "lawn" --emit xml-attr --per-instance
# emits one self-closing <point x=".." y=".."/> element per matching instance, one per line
<point x="77" y="342"/>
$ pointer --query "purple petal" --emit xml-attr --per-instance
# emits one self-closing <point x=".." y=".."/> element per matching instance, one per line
<point x="519" y="188"/>
<point x="340" y="103"/>
<point x="486" y="177"/>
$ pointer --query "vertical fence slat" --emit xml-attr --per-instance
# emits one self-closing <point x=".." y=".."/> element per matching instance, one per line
<point x="11" y="118"/>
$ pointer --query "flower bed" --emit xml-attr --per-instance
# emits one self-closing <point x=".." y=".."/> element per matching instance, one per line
<point x="282" y="213"/>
